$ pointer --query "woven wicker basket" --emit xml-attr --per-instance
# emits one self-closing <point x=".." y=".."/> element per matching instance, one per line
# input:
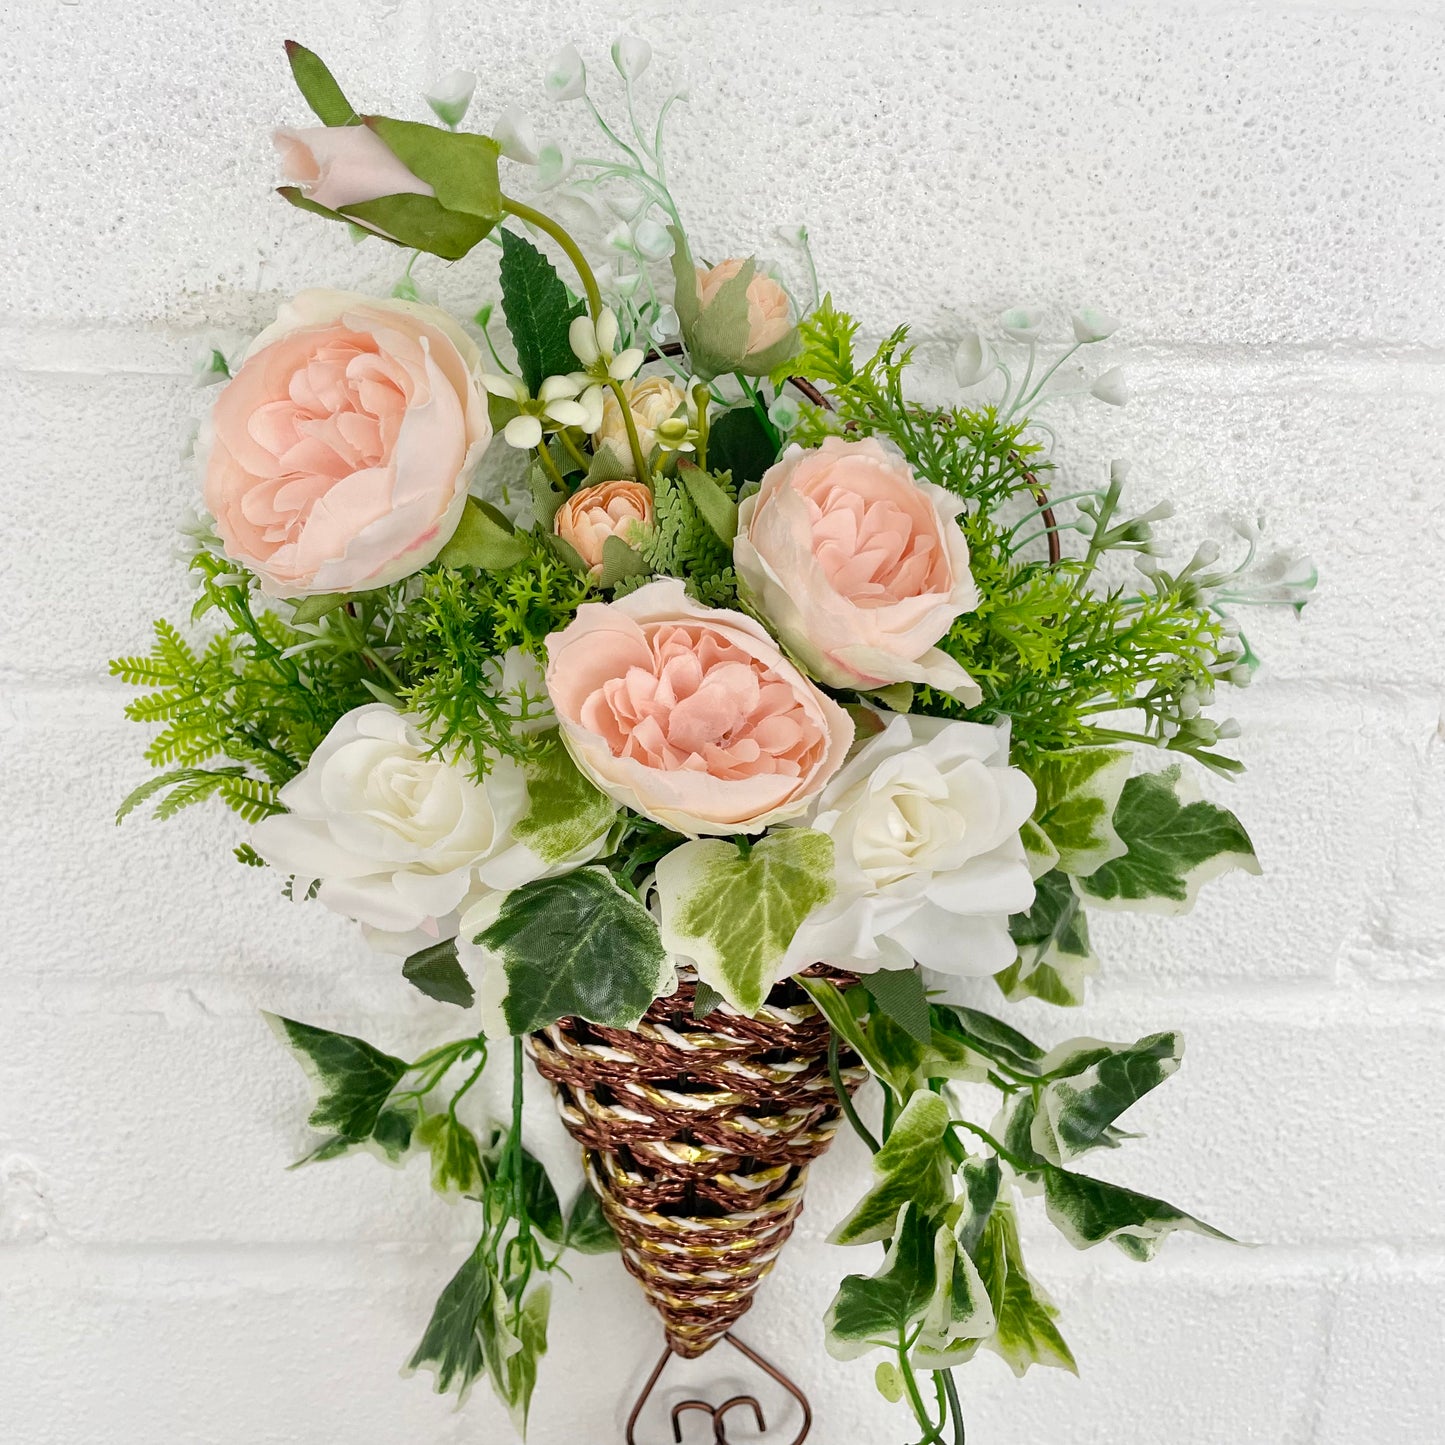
<point x="697" y="1136"/>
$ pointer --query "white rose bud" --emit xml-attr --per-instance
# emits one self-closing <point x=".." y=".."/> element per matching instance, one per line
<point x="973" y="360"/>
<point x="1022" y="323"/>
<point x="1091" y="326"/>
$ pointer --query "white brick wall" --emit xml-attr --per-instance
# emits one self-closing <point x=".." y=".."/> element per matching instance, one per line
<point x="1257" y="186"/>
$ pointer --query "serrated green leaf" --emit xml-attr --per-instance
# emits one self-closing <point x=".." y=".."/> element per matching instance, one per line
<point x="514" y="1353"/>
<point x="318" y="87"/>
<point x="539" y="1194"/>
<point x="875" y="1312"/>
<point x="539" y="311"/>
<point x="588" y="1231"/>
<point x="565" y="812"/>
<point x="438" y="974"/>
<point x="353" y="1080"/>
<point x="714" y="505"/>
<point x="1088" y="1211"/>
<point x="451" y="1346"/>
<point x="899" y="993"/>
<point x="1078" y="791"/>
<point x="1176" y="843"/>
<point x="575" y="945"/>
<point x="911" y="1166"/>
<point x="1055" y="956"/>
<point x="735" y="915"/>
<point x="739" y="443"/>
<point x="1024" y="1332"/>
<point x="484" y="539"/>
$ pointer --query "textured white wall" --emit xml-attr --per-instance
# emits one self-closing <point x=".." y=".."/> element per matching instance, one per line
<point x="1257" y="186"/>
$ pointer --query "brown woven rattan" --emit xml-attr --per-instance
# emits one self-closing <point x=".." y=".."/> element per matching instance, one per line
<point x="697" y="1135"/>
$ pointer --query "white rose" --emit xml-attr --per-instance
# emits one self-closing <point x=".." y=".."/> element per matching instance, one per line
<point x="925" y="826"/>
<point x="397" y="837"/>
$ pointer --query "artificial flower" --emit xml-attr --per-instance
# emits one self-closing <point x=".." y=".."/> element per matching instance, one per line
<point x="621" y="509"/>
<point x="690" y="715"/>
<point x="344" y="165"/>
<point x="451" y="96"/>
<point x="928" y="865"/>
<point x="973" y="359"/>
<point x="593" y="344"/>
<point x="1022" y="323"/>
<point x="631" y="55"/>
<point x="513" y="133"/>
<point x="566" y="76"/>
<point x="339" y="456"/>
<point x="652" y="401"/>
<point x="1111" y="387"/>
<point x="770" y="317"/>
<point x="859" y="567"/>
<point x="1091" y="326"/>
<point x="561" y="401"/>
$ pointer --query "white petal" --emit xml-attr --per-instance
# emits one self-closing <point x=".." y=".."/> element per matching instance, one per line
<point x="626" y="364"/>
<point x="569" y="413"/>
<point x="513" y="132"/>
<point x="523" y="432"/>
<point x="1111" y="387"/>
<point x="560" y="388"/>
<point x="631" y="56"/>
<point x="451" y="95"/>
<point x="1090" y="325"/>
<point x="509" y="388"/>
<point x="607" y="329"/>
<point x="973" y="360"/>
<point x="583" y="337"/>
<point x="566" y="76"/>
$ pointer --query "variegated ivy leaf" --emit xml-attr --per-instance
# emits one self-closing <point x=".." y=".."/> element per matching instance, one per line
<point x="959" y="1315"/>
<point x="1088" y="1211"/>
<point x="1024" y="1333"/>
<point x="565" y="812"/>
<point x="451" y="1347"/>
<point x="876" y="1312"/>
<point x="981" y="1179"/>
<point x="513" y="1353"/>
<point x="458" y="1166"/>
<point x="989" y="1036"/>
<point x="578" y="944"/>
<point x="734" y="913"/>
<point x="1176" y="843"/>
<point x="1078" y="792"/>
<point x="846" y="1014"/>
<point x="1042" y="856"/>
<point x="1055" y="957"/>
<point x="911" y="1166"/>
<point x="1075" y="1111"/>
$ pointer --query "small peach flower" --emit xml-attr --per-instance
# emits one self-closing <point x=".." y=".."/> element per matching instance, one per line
<point x="651" y="403"/>
<point x="610" y="509"/>
<point x="769" y="318"/>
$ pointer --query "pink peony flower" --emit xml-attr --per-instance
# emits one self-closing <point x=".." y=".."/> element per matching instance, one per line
<point x="609" y="509"/>
<point x="689" y="715"/>
<point x="340" y="454"/>
<point x="859" y="567"/>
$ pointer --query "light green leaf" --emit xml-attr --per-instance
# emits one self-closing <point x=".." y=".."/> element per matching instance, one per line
<point x="312" y="609"/>
<point x="1024" y="1333"/>
<point x="911" y="1165"/>
<point x="588" y="1231"/>
<point x="539" y="1195"/>
<point x="1088" y="1211"/>
<point x="319" y="88"/>
<point x="959" y="1315"/>
<point x="899" y="994"/>
<point x="565" y="813"/>
<point x="539" y="311"/>
<point x="1055" y="956"/>
<point x="484" y="539"/>
<point x="1078" y="792"/>
<point x="875" y="1312"/>
<point x="437" y="973"/>
<point x="575" y="945"/>
<point x="353" y="1080"/>
<point x="413" y="221"/>
<point x="1076" y="1111"/>
<point x="837" y="1008"/>
<point x="619" y="562"/>
<point x="981" y="1179"/>
<point x="459" y="166"/>
<point x="1042" y="856"/>
<point x="451" y="1347"/>
<point x="735" y="915"/>
<point x="1176" y="842"/>
<point x="457" y="1166"/>
<point x="717" y="509"/>
<point x="897" y="697"/>
<point x="513" y="1355"/>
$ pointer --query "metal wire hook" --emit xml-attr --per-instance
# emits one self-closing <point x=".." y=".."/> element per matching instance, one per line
<point x="716" y="1413"/>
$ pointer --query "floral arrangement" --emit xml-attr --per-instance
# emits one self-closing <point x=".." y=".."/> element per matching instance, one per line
<point x="735" y="660"/>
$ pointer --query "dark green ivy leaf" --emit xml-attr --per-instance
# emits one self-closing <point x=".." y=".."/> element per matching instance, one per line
<point x="874" y="1312"/>
<point x="451" y="1346"/>
<point x="353" y="1080"/>
<point x="588" y="1231"/>
<point x="1088" y="1211"/>
<point x="539" y="312"/>
<point x="438" y="974"/>
<point x="1055" y="956"/>
<point x="899" y="993"/>
<point x="1025" y="1333"/>
<point x="739" y="443"/>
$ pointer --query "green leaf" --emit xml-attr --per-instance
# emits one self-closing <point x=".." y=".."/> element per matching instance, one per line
<point x="959" y="1315"/>
<point x="319" y="88"/>
<point x="451" y="1346"/>
<point x="393" y="1131"/>
<point x="619" y="562"/>
<point x="911" y="1165"/>
<point x="459" y="166"/>
<point x="717" y="509"/>
<point x="1024" y="1332"/>
<point x="411" y="220"/>
<point x="457" y="1167"/>
<point x="739" y="443"/>
<point x="894" y="1069"/>
<point x="565" y="812"/>
<point x="898" y="992"/>
<point x="1042" y="856"/>
<point x="546" y="499"/>
<point x="438" y="974"/>
<point x="353" y="1080"/>
<point x="312" y="609"/>
<point x="1055" y="956"/>
<point x="1088" y="1211"/>
<point x="1076" y="1111"/>
<point x="896" y="697"/>
<point x="539" y="311"/>
<point x="990" y="1036"/>
<point x="1176" y="842"/>
<point x="735" y="915"/>
<point x="875" y="1312"/>
<point x="484" y="539"/>
<point x="980" y="1179"/>
<point x="1078" y="792"/>
<point x="705" y="999"/>
<point x="512" y="1362"/>
<point x="575" y="945"/>
<point x="588" y="1231"/>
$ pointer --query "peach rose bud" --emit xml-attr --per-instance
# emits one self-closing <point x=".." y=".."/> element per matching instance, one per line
<point x="859" y="567"/>
<point x="610" y="509"/>
<point x="339" y="455"/>
<point x="344" y="165"/>
<point x="769" y="314"/>
<point x="690" y="715"/>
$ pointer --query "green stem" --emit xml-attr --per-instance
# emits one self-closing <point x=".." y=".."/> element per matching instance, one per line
<point x="514" y="1147"/>
<point x="471" y="1079"/>
<point x="751" y="392"/>
<point x="560" y="235"/>
<point x="931" y="1435"/>
<point x="573" y="450"/>
<point x="845" y="1098"/>
<point x="549" y="466"/>
<point x="701" y="396"/>
<point x="955" y="1409"/>
<point x="629" y="421"/>
<point x="1004" y="1154"/>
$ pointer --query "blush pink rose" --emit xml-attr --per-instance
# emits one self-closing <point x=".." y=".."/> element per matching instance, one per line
<point x="610" y="509"/>
<point x="768" y="315"/>
<point x="344" y="165"/>
<point x="690" y="715"/>
<point x="340" y="453"/>
<point x="859" y="567"/>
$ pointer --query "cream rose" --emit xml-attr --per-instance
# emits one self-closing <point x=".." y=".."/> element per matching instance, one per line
<point x="396" y="836"/>
<point x="651" y="402"/>
<point x="338" y="457"/>
<point x="689" y="715"/>
<point x="859" y="567"/>
<point x="928" y="864"/>
<point x="610" y="509"/>
<point x="769" y="315"/>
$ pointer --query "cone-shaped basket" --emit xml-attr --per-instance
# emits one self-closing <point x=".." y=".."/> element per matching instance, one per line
<point x="697" y="1135"/>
